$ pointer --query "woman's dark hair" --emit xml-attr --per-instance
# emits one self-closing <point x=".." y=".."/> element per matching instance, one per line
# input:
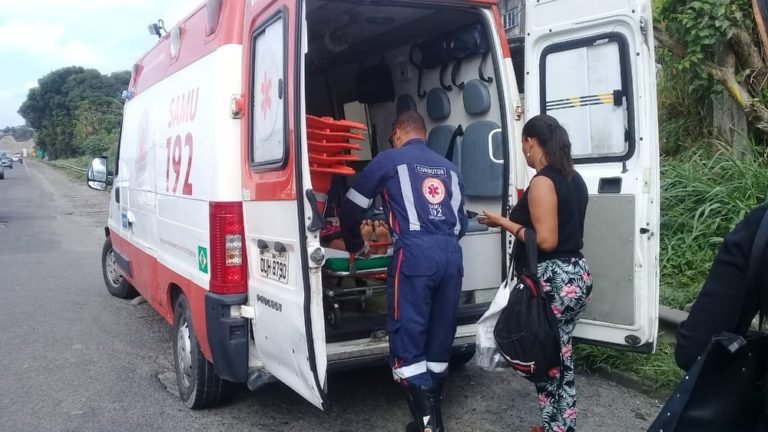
<point x="553" y="139"/>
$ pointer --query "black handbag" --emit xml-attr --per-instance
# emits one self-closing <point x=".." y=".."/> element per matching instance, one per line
<point x="526" y="332"/>
<point x="725" y="389"/>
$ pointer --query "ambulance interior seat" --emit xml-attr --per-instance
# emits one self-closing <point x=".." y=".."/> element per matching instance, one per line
<point x="482" y="154"/>
<point x="439" y="140"/>
<point x="439" y="110"/>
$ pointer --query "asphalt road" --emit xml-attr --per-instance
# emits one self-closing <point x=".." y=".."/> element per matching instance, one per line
<point x="73" y="358"/>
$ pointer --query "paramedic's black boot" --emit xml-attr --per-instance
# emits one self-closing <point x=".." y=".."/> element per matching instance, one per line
<point x="434" y="399"/>
<point x="425" y="407"/>
<point x="417" y="405"/>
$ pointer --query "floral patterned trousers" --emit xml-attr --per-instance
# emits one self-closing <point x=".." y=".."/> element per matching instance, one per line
<point x="568" y="285"/>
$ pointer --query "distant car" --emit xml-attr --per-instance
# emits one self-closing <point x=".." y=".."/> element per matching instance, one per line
<point x="6" y="161"/>
<point x="16" y="157"/>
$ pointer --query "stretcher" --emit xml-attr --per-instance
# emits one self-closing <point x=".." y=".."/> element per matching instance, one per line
<point x="351" y="279"/>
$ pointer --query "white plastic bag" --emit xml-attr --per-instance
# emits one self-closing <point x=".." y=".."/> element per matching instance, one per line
<point x="487" y="354"/>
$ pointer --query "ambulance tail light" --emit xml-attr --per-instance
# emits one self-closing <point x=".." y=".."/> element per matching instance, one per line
<point x="229" y="264"/>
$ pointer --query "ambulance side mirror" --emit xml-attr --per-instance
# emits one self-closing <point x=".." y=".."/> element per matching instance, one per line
<point x="98" y="175"/>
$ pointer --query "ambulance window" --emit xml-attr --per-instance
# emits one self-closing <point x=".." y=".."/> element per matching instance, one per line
<point x="357" y="112"/>
<point x="268" y="114"/>
<point x="586" y="85"/>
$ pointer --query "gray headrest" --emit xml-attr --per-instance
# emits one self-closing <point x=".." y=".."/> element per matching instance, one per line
<point x="477" y="98"/>
<point x="405" y="103"/>
<point x="440" y="139"/>
<point x="438" y="104"/>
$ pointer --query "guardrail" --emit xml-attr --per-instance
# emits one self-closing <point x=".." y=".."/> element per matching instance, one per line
<point x="669" y="321"/>
<point x="69" y="167"/>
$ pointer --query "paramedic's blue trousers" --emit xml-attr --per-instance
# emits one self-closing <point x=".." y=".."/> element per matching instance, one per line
<point x="423" y="290"/>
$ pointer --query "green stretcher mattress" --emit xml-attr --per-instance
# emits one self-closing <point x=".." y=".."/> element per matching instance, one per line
<point x="338" y="261"/>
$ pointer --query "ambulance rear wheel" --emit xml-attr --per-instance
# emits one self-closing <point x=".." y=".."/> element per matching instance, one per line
<point x="199" y="386"/>
<point x="116" y="283"/>
<point x="460" y="359"/>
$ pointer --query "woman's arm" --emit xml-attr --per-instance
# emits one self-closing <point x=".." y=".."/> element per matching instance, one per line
<point x="542" y="199"/>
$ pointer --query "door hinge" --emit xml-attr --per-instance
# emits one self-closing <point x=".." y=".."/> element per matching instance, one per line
<point x="519" y="112"/>
<point x="644" y="26"/>
<point x="243" y="311"/>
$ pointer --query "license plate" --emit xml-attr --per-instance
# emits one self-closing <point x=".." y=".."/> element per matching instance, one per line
<point x="274" y="266"/>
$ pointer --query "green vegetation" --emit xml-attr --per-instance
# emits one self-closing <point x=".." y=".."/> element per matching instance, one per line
<point x="703" y="196"/>
<point x="658" y="372"/>
<point x="76" y="111"/>
<point x="715" y="46"/>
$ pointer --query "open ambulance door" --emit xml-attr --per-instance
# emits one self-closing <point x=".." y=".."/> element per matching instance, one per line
<point x="591" y="65"/>
<point x="284" y="285"/>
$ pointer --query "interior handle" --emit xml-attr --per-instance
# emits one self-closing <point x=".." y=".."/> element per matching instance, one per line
<point x="317" y="221"/>
<point x="490" y="147"/>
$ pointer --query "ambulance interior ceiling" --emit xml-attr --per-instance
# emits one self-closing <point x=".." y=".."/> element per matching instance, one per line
<point x="345" y="31"/>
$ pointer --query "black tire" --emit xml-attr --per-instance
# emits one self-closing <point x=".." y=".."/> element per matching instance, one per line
<point x="113" y="279"/>
<point x="461" y="359"/>
<point x="199" y="386"/>
<point x="412" y="427"/>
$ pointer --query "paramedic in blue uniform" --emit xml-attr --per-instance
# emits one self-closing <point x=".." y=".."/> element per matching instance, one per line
<point x="424" y="203"/>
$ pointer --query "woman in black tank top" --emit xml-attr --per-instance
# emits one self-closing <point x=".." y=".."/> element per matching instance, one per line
<point x="554" y="205"/>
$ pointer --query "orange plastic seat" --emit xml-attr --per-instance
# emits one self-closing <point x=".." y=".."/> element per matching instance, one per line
<point x="329" y="124"/>
<point x="335" y="147"/>
<point x="324" y="136"/>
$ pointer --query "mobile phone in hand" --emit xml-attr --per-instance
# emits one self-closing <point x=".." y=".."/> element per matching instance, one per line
<point x="471" y="214"/>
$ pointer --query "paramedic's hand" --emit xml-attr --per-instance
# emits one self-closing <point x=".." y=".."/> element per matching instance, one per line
<point x="491" y="219"/>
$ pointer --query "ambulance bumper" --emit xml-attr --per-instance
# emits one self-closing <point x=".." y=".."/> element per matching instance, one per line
<point x="365" y="352"/>
<point x="227" y="336"/>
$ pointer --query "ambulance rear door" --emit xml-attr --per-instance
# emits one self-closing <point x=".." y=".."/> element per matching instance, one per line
<point x="284" y="285"/>
<point x="591" y="65"/>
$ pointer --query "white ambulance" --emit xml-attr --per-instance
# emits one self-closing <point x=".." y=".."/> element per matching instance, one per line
<point x="215" y="211"/>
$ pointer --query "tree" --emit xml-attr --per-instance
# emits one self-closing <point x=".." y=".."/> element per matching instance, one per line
<point x="717" y="47"/>
<point x="71" y="105"/>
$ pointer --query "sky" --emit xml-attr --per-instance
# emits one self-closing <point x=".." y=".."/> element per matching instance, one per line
<point x="39" y="36"/>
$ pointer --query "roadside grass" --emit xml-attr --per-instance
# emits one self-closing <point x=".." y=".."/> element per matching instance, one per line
<point x="704" y="193"/>
<point x="657" y="373"/>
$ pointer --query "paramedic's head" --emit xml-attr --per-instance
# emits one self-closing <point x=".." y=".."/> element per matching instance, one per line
<point x="409" y="125"/>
